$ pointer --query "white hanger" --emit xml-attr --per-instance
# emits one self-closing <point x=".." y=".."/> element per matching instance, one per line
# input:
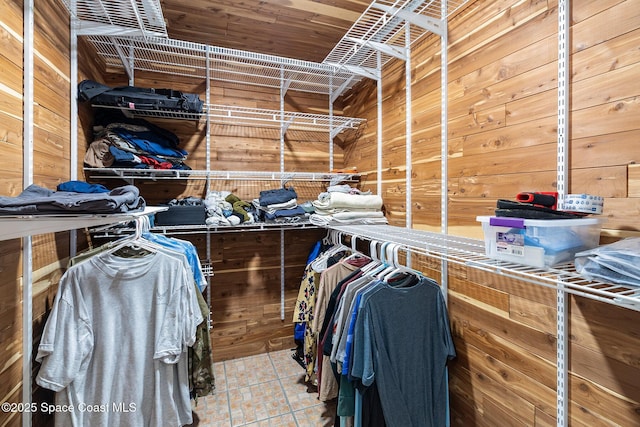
<point x="136" y="241"/>
<point x="373" y="254"/>
<point x="399" y="268"/>
<point x="335" y="237"/>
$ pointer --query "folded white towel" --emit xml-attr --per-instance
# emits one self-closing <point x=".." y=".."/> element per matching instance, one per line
<point x="348" y="201"/>
<point x="349" y="218"/>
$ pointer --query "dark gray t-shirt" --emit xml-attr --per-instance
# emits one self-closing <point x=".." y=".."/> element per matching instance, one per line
<point x="407" y="342"/>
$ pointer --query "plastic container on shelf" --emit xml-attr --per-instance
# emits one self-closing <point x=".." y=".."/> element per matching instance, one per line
<point x="539" y="243"/>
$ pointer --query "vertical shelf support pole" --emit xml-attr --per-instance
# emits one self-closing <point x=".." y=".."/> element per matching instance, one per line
<point x="562" y="179"/>
<point x="379" y="124"/>
<point x="282" y="253"/>
<point x="408" y="118"/>
<point x="27" y="178"/>
<point x="208" y="120"/>
<point x="331" y="124"/>
<point x="444" y="136"/>
<point x="282" y="131"/>
<point x="282" y="125"/>
<point x="73" y="118"/>
<point x="208" y="167"/>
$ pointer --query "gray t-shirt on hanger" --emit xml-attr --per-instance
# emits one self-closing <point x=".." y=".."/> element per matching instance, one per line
<point x="114" y="347"/>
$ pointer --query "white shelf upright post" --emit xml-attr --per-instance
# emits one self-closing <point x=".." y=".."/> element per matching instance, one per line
<point x="444" y="137"/>
<point x="379" y="123"/>
<point x="408" y="128"/>
<point x="27" y="171"/>
<point x="562" y="178"/>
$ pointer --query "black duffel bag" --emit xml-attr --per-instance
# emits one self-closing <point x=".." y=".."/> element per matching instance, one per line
<point x="139" y="98"/>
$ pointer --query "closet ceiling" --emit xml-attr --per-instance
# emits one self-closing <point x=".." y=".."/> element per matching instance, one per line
<point x="299" y="29"/>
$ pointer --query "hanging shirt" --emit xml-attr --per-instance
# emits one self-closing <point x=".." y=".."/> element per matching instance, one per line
<point x="304" y="312"/>
<point x="116" y="342"/>
<point x="406" y="342"/>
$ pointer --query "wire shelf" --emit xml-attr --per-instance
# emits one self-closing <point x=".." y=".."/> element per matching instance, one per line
<point x="141" y="17"/>
<point x="116" y="232"/>
<point x="156" y="114"/>
<point x="471" y="252"/>
<point x="160" y="174"/>
<point x="207" y="268"/>
<point x="384" y="22"/>
<point x="223" y="114"/>
<point x="188" y="59"/>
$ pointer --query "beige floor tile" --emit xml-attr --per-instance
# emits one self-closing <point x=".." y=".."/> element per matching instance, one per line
<point x="267" y="390"/>
<point x="298" y="394"/>
<point x="249" y="371"/>
<point x="212" y="411"/>
<point x="282" y="421"/>
<point x="220" y="376"/>
<point x="317" y="416"/>
<point x="284" y="364"/>
<point x="257" y="402"/>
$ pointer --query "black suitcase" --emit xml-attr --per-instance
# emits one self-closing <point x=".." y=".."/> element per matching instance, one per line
<point x="139" y="98"/>
<point x="182" y="215"/>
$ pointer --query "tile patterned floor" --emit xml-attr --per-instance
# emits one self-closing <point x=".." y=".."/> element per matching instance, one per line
<point x="267" y="390"/>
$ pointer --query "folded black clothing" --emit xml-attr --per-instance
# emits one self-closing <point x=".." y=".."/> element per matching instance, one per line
<point x="277" y="196"/>
<point x="509" y="208"/>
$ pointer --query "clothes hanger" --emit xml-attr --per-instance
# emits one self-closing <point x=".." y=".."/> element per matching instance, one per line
<point x="400" y="268"/>
<point x="382" y="262"/>
<point x="388" y="264"/>
<point x="319" y="264"/>
<point x="355" y="254"/>
<point x="373" y="254"/>
<point x="136" y="245"/>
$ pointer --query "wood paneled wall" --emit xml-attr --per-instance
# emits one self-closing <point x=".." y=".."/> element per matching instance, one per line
<point x="502" y="107"/>
<point x="50" y="165"/>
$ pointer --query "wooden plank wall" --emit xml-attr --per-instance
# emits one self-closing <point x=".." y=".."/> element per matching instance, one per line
<point x="502" y="78"/>
<point x="502" y="140"/>
<point x="50" y="165"/>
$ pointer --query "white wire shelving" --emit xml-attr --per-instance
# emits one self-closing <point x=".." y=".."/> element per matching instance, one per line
<point x="244" y="116"/>
<point x="471" y="252"/>
<point x="196" y="60"/>
<point x="134" y="17"/>
<point x="239" y="116"/>
<point x="172" y="174"/>
<point x="111" y="232"/>
<point x="156" y="114"/>
<point x="16" y="226"/>
<point x="382" y="27"/>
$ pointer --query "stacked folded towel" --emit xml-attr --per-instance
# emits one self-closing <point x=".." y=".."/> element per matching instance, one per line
<point x="339" y="207"/>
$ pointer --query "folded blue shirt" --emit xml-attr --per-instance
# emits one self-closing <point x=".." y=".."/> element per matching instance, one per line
<point x="82" y="187"/>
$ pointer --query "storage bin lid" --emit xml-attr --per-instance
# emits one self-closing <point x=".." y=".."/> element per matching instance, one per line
<point x="522" y="222"/>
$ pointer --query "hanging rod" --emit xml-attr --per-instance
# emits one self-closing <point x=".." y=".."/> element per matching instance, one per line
<point x="471" y="253"/>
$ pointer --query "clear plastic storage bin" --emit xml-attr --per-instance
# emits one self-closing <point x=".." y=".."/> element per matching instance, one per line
<point x="539" y="243"/>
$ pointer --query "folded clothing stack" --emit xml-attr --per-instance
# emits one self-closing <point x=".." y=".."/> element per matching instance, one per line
<point x="122" y="142"/>
<point x="73" y="197"/>
<point x="353" y="207"/>
<point x="280" y="206"/>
